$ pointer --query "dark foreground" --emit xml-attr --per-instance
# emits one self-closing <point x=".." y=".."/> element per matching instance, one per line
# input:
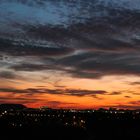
<point x="102" y="130"/>
<point x="73" y="125"/>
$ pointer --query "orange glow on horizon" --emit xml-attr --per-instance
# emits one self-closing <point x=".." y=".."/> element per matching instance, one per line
<point x="119" y="93"/>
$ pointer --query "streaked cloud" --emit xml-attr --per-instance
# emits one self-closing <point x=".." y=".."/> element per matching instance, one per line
<point x="75" y="39"/>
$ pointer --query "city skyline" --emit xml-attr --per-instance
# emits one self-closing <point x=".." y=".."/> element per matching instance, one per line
<point x="72" y="54"/>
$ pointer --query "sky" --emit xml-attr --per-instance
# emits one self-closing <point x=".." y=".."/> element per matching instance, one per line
<point x="70" y="54"/>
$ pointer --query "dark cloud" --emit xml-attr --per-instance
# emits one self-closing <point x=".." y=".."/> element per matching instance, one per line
<point x="100" y="38"/>
<point x="84" y="39"/>
<point x="134" y="83"/>
<point x="89" y="65"/>
<point x="127" y="96"/>
<point x="136" y="93"/>
<point x="115" y="93"/>
<point x="100" y="64"/>
<point x="19" y="99"/>
<point x="135" y="102"/>
<point x="6" y="100"/>
<point x="58" y="86"/>
<point x="110" y="65"/>
<point x="8" y="75"/>
<point x="12" y="90"/>
<point x="105" y="33"/>
<point x="31" y="67"/>
<point x="81" y="93"/>
<point x="22" y="48"/>
<point x="71" y="92"/>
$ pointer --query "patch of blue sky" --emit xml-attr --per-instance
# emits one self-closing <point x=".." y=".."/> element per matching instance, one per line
<point x="14" y="12"/>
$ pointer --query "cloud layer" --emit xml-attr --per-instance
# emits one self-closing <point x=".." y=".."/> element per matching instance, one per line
<point x="82" y="39"/>
<point x="98" y="41"/>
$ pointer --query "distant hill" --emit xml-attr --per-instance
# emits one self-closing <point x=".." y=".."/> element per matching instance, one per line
<point x="12" y="107"/>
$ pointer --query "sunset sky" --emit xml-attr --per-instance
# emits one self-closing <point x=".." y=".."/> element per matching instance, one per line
<point x="70" y="53"/>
